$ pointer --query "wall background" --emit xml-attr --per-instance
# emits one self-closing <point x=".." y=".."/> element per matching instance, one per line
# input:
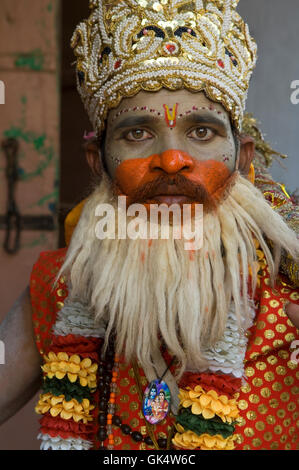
<point x="30" y="69"/>
<point x="41" y="98"/>
<point x="274" y="25"/>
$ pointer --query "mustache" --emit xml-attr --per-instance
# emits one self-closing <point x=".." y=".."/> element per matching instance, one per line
<point x="176" y="185"/>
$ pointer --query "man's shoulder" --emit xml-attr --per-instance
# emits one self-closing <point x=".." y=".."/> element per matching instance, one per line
<point x="272" y="329"/>
<point x="51" y="258"/>
<point x="47" y="266"/>
<point x="46" y="295"/>
<point x="44" y="273"/>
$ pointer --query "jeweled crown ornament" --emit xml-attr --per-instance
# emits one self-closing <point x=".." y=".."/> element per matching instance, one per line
<point x="126" y="46"/>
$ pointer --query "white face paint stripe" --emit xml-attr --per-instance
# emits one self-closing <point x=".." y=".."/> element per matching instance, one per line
<point x="116" y="160"/>
<point x="161" y="113"/>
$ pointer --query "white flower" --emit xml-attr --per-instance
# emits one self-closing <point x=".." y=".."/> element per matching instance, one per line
<point x="57" y="443"/>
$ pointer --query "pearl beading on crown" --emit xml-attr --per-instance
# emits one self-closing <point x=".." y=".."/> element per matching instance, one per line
<point x="126" y="46"/>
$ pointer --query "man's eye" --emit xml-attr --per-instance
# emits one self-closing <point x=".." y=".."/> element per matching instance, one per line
<point x="138" y="135"/>
<point x="202" y="133"/>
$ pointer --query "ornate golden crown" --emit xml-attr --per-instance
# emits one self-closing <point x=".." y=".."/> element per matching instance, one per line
<point x="130" y="45"/>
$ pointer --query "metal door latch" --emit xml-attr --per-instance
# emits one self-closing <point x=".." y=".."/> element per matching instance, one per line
<point x="13" y="222"/>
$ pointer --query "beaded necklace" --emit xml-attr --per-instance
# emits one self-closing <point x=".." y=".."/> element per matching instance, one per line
<point x="108" y="372"/>
<point x="207" y="414"/>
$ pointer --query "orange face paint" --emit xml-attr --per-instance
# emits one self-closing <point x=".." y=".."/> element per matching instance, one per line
<point x="173" y="177"/>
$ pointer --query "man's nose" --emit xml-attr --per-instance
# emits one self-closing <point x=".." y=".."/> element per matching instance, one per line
<point x="172" y="161"/>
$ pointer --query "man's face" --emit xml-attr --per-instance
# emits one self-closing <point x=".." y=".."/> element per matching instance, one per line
<point x="169" y="147"/>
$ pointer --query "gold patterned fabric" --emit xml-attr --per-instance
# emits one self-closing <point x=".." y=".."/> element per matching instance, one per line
<point x="268" y="402"/>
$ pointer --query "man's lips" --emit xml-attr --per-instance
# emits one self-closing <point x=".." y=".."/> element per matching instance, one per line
<point x="168" y="193"/>
<point x="170" y="199"/>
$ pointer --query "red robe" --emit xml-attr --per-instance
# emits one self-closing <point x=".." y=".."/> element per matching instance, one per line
<point x="268" y="402"/>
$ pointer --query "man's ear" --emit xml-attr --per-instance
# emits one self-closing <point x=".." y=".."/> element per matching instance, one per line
<point x="93" y="157"/>
<point x="247" y="153"/>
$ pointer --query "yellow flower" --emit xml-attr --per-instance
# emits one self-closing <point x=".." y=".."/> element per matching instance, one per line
<point x="66" y="409"/>
<point x="61" y="365"/>
<point x="208" y="404"/>
<point x="190" y="440"/>
<point x="260" y="264"/>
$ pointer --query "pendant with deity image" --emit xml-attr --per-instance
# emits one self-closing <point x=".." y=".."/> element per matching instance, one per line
<point x="156" y="401"/>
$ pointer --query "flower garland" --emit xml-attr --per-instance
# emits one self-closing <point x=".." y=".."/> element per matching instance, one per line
<point x="77" y="403"/>
<point x="62" y="364"/>
<point x="68" y="403"/>
<point x="209" y="404"/>
<point x="75" y="375"/>
<point x="208" y="411"/>
<point x="206" y="419"/>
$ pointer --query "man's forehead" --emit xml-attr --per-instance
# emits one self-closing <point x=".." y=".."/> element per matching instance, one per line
<point x="183" y="101"/>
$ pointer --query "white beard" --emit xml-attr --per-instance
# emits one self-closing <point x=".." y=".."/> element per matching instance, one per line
<point x="148" y="293"/>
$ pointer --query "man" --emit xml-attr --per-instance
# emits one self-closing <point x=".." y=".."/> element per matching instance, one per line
<point x="149" y="400"/>
<point x="165" y="86"/>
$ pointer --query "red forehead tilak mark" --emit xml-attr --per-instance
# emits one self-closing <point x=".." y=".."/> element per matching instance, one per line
<point x="171" y="115"/>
